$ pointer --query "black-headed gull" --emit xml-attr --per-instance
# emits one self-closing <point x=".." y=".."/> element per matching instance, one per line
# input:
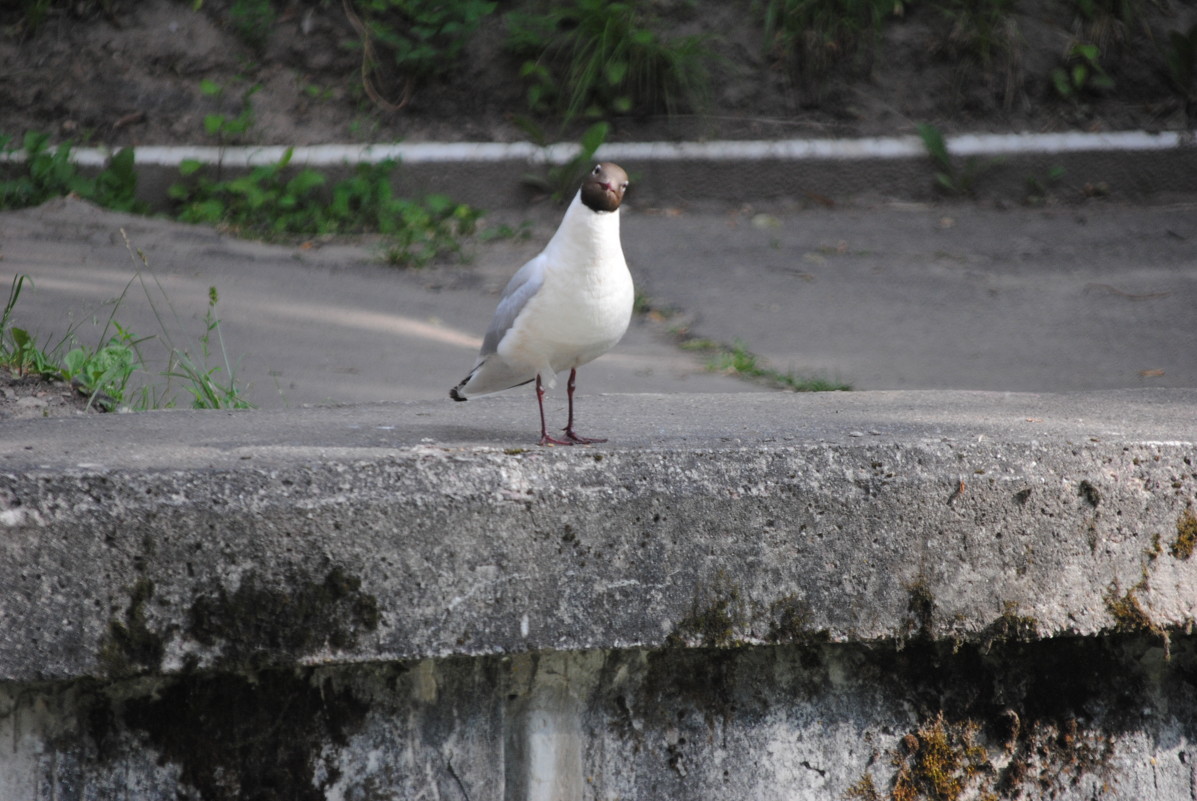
<point x="567" y="306"/>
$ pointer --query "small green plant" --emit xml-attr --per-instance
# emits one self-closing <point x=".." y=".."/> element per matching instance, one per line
<point x="272" y="201"/>
<point x="40" y="172"/>
<point x="263" y="202"/>
<point x="211" y="387"/>
<point x="425" y="37"/>
<point x="321" y="94"/>
<point x="1039" y="188"/>
<point x="949" y="178"/>
<point x="560" y="181"/>
<point x="102" y="374"/>
<point x="428" y="231"/>
<point x="595" y="58"/>
<point x="1107" y="22"/>
<point x="224" y="128"/>
<point x="18" y="350"/>
<point x="1081" y="74"/>
<point x="251" y="20"/>
<point x="737" y="360"/>
<point x="982" y="40"/>
<point x="979" y="29"/>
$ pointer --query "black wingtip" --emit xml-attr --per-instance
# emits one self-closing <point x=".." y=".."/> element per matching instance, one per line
<point x="457" y="396"/>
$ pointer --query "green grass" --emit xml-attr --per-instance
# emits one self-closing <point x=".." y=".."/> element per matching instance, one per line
<point x="426" y="38"/>
<point x="226" y="128"/>
<point x="103" y="372"/>
<point x="950" y="178"/>
<point x="736" y="360"/>
<point x="269" y="202"/>
<point x="34" y="173"/>
<point x="275" y="200"/>
<point x="594" y="58"/>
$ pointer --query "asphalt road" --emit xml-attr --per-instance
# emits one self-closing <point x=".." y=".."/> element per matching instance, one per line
<point x="876" y="295"/>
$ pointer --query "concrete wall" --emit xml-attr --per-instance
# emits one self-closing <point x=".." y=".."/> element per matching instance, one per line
<point x="754" y="596"/>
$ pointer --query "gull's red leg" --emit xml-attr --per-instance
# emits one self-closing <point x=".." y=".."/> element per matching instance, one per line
<point x="569" y="426"/>
<point x="545" y="439"/>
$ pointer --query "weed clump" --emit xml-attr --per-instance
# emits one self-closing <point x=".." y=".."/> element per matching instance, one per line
<point x="940" y="761"/>
<point x="273" y="201"/>
<point x="737" y="360"/>
<point x="715" y="623"/>
<point x="593" y="58"/>
<point x="34" y="172"/>
<point x="1186" y="535"/>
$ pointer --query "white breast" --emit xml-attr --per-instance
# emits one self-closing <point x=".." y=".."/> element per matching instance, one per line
<point x="585" y="303"/>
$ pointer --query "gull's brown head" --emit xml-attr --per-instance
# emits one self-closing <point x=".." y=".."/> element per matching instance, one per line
<point x="603" y="187"/>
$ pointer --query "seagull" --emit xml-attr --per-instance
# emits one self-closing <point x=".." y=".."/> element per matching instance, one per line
<point x="567" y="306"/>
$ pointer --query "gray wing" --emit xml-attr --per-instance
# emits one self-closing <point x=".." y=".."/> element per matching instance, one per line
<point x="520" y="289"/>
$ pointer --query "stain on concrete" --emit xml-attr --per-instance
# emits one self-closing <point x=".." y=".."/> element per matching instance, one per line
<point x="129" y="646"/>
<point x="262" y="736"/>
<point x="265" y="623"/>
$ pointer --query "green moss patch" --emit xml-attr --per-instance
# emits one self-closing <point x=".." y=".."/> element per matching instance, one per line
<point x="1186" y="535"/>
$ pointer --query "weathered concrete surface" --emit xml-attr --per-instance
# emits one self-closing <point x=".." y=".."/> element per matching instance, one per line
<point x="453" y="535"/>
<point x="1066" y="719"/>
<point x="753" y="595"/>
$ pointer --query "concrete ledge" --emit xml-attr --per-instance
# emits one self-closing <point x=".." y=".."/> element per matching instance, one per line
<point x="752" y="596"/>
<point x="427" y="530"/>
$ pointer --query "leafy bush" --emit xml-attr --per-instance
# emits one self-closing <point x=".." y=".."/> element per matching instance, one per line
<point x="425" y="37"/>
<point x="264" y="201"/>
<point x="1081" y="74"/>
<point x="594" y="58"/>
<point x="272" y="200"/>
<point x="40" y="173"/>
<point x="103" y="373"/>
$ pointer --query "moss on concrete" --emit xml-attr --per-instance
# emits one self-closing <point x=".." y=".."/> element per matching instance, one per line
<point x="1010" y="626"/>
<point x="269" y="623"/>
<point x="715" y="621"/>
<point x="790" y="621"/>
<point x="920" y="610"/>
<point x="940" y="761"/>
<point x="1186" y="535"/>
